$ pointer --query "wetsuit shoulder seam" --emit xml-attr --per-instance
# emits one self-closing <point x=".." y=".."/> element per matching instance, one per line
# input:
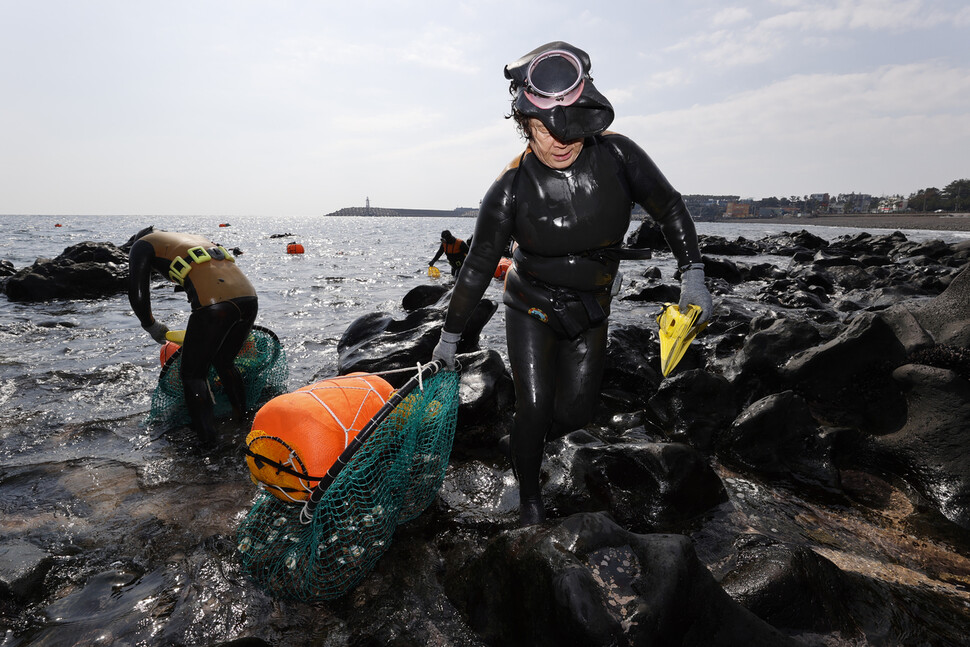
<point x="514" y="164"/>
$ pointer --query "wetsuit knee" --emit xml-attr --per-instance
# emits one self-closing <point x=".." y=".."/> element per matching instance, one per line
<point x="195" y="388"/>
<point x="527" y="418"/>
<point x="570" y="418"/>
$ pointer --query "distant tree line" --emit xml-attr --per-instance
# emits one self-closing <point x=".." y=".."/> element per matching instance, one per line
<point x="955" y="196"/>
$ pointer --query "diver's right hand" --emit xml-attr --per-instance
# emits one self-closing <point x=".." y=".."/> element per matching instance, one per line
<point x="445" y="351"/>
<point x="157" y="331"/>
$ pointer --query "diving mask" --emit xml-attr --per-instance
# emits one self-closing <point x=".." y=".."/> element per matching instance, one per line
<point x="554" y="77"/>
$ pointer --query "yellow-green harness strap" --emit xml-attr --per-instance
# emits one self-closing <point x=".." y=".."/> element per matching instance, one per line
<point x="179" y="268"/>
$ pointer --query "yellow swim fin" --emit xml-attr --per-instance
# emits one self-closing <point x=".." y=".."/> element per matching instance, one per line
<point x="677" y="331"/>
<point x="176" y="336"/>
<point x="434" y="272"/>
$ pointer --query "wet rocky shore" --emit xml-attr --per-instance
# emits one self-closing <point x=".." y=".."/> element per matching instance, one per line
<point x="802" y="478"/>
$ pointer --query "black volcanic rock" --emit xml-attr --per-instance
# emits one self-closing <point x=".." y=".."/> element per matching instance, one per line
<point x="83" y="271"/>
<point x="587" y="581"/>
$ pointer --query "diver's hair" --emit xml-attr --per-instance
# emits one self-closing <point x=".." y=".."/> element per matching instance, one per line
<point x="521" y="120"/>
<point x="521" y="123"/>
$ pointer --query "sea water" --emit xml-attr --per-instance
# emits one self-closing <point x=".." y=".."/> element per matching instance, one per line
<point x="85" y="361"/>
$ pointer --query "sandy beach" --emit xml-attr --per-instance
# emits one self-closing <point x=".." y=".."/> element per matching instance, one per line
<point x="929" y="221"/>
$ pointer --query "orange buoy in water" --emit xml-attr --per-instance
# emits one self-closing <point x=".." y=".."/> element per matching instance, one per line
<point x="305" y="431"/>
<point x="294" y="248"/>
<point x="502" y="268"/>
<point x="168" y="349"/>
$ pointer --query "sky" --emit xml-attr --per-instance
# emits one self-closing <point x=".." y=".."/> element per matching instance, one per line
<point x="302" y="107"/>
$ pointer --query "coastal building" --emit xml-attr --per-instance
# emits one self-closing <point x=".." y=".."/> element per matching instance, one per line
<point x="892" y="204"/>
<point x="740" y="209"/>
<point x="818" y="203"/>
<point x="851" y="203"/>
<point x="707" y="208"/>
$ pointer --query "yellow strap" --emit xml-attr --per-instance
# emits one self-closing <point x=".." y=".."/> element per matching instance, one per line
<point x="180" y="268"/>
<point x="198" y="254"/>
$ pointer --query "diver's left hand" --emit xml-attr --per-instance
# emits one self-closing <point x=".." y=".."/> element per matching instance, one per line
<point x="157" y="331"/>
<point x="693" y="291"/>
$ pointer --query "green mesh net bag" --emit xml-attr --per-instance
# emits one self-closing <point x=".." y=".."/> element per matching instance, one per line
<point x="261" y="362"/>
<point x="319" y="549"/>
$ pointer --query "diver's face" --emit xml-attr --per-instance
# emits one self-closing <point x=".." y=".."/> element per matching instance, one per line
<point x="550" y="151"/>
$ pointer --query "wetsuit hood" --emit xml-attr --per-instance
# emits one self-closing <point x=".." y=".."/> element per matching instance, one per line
<point x="552" y="83"/>
<point x="141" y="234"/>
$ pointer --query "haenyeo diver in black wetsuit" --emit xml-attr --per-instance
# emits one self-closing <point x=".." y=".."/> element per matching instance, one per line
<point x="454" y="249"/>
<point x="224" y="307"/>
<point x="566" y="201"/>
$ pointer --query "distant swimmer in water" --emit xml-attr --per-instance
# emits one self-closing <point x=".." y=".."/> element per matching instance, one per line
<point x="224" y="307"/>
<point x="454" y="249"/>
<point x="566" y="201"/>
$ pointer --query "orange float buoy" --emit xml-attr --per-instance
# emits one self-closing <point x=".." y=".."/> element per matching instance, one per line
<point x="168" y="349"/>
<point x="294" y="248"/>
<point x="296" y="437"/>
<point x="503" y="268"/>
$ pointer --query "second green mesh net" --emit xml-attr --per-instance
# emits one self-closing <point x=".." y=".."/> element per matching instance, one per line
<point x="261" y="362"/>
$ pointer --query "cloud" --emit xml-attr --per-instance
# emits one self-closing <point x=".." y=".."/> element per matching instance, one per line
<point x="440" y="47"/>
<point x="962" y="17"/>
<point x="731" y="16"/>
<point x="674" y="77"/>
<point x="868" y="131"/>
<point x="620" y="96"/>
<point x="744" y="47"/>
<point x="396" y="120"/>
<point x="654" y="84"/>
<point x="877" y="15"/>
<point x="307" y="61"/>
<point x="735" y="36"/>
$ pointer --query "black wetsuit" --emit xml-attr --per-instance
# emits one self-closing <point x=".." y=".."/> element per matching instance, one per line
<point x="568" y="225"/>
<point x="224" y="307"/>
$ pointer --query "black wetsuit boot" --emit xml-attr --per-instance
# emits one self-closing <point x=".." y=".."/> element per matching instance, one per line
<point x="526" y="463"/>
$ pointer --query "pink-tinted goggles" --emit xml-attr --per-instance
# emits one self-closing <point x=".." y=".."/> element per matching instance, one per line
<point x="554" y="78"/>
